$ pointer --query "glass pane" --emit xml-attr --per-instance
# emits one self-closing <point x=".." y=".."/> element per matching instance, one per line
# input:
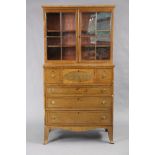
<point x="88" y="53"/>
<point x="103" y="21"/>
<point x="68" y="36"/>
<point x="69" y="39"/>
<point x="53" y="21"/>
<point x="68" y="21"/>
<point x="88" y="37"/>
<point x="86" y="41"/>
<point x="53" y="41"/>
<point x="102" y="53"/>
<point x="88" y="23"/>
<point x="103" y="38"/>
<point x="68" y="53"/>
<point x="54" y="53"/>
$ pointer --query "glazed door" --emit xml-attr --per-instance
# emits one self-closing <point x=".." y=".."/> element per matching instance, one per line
<point x="95" y="35"/>
<point x="61" y="32"/>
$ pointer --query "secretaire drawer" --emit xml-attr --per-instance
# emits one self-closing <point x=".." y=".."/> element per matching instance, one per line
<point x="104" y="75"/>
<point x="52" y="75"/>
<point x="52" y="90"/>
<point x="79" y="102"/>
<point x="78" y="117"/>
<point x="79" y="76"/>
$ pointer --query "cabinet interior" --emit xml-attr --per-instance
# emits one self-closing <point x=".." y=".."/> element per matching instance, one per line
<point x="91" y="39"/>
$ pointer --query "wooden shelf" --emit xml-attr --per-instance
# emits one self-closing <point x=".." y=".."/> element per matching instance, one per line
<point x="60" y="31"/>
<point x="63" y="31"/>
<point x="52" y="46"/>
<point x="55" y="36"/>
<point x="95" y="46"/>
<point x="88" y="45"/>
<point x="102" y="45"/>
<point x="88" y="36"/>
<point x="53" y="30"/>
<point x="96" y="30"/>
<point x="87" y="31"/>
<point x="103" y="30"/>
<point x="68" y="31"/>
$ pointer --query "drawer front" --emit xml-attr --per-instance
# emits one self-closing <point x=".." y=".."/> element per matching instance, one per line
<point x="52" y="90"/>
<point x="78" y="75"/>
<point x="79" y="102"/>
<point x="79" y="117"/>
<point x="52" y="75"/>
<point x="104" y="76"/>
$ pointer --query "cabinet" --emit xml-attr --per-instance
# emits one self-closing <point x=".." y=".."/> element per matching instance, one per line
<point x="78" y="68"/>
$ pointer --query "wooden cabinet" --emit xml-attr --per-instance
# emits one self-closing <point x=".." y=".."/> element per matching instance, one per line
<point x="78" y="68"/>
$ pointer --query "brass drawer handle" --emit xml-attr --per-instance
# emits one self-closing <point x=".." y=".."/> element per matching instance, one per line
<point x="103" y="117"/>
<point x="103" y="76"/>
<point x="52" y="102"/>
<point x="103" y="90"/>
<point x="49" y="90"/>
<point x="53" y="74"/>
<point x="103" y="102"/>
<point x="53" y="117"/>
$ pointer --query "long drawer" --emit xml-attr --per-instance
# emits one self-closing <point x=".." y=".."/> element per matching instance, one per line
<point x="79" y="102"/>
<point x="52" y="90"/>
<point x="78" y="117"/>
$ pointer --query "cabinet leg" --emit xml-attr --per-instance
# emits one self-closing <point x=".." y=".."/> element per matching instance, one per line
<point x="46" y="132"/>
<point x="110" y="134"/>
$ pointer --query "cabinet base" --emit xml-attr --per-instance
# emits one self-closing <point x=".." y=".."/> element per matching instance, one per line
<point x="48" y="129"/>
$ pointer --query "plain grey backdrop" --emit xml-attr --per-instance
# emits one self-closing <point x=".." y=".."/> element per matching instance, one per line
<point x="65" y="142"/>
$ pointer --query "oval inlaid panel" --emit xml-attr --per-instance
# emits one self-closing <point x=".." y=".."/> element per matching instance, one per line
<point x="78" y="75"/>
